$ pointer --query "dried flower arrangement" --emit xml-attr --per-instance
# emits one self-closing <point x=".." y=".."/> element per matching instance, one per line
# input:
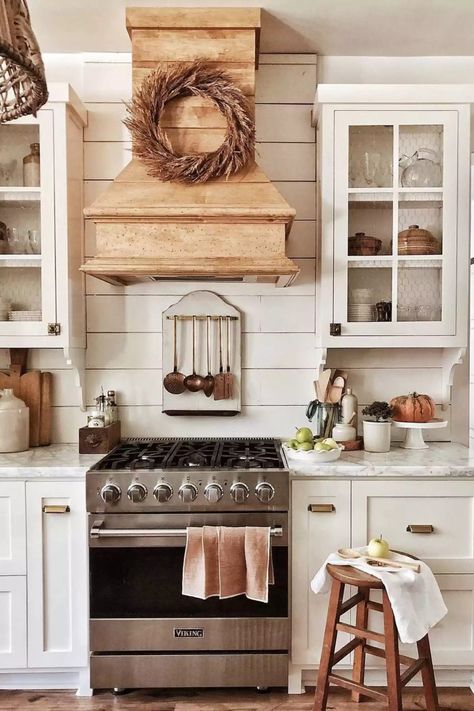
<point x="150" y="142"/>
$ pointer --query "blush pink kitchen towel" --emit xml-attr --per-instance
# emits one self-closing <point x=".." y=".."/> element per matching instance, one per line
<point x="228" y="561"/>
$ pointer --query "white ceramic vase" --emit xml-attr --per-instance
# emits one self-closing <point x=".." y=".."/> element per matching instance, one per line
<point x="376" y="436"/>
<point x="14" y="423"/>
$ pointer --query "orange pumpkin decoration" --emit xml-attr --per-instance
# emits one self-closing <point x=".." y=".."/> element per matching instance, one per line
<point x="413" y="408"/>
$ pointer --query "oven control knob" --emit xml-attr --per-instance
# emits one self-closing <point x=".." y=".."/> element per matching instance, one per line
<point x="163" y="492"/>
<point x="264" y="492"/>
<point x="110" y="493"/>
<point x="187" y="493"/>
<point x="239" y="492"/>
<point x="213" y="492"/>
<point x="137" y="493"/>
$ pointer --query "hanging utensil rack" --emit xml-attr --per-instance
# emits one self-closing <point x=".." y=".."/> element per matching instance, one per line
<point x="205" y="307"/>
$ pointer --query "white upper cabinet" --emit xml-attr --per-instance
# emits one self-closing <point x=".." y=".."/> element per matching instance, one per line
<point x="41" y="226"/>
<point x="394" y="208"/>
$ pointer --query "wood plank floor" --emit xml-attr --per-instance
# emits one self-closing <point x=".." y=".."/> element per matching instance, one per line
<point x="216" y="700"/>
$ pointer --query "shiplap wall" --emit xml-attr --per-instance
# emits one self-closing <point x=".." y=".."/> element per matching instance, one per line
<point x="279" y="355"/>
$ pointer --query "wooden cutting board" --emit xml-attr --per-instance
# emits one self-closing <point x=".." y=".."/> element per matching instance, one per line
<point x="34" y="388"/>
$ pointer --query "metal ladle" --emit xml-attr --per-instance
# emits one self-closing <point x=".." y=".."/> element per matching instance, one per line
<point x="208" y="387"/>
<point x="174" y="382"/>
<point x="194" y="382"/>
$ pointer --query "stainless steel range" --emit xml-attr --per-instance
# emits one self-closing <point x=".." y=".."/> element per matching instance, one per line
<point x="143" y="632"/>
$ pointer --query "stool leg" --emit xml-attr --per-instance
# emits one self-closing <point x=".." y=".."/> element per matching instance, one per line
<point x="427" y="675"/>
<point x="358" y="670"/>
<point x="394" y="689"/>
<point x="329" y="644"/>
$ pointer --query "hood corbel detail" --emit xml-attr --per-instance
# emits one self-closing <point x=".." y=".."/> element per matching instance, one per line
<point x="225" y="229"/>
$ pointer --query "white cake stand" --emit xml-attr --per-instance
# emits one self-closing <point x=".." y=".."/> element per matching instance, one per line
<point x="414" y="432"/>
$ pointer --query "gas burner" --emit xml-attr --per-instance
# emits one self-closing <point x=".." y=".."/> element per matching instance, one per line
<point x="196" y="460"/>
<point x="232" y="453"/>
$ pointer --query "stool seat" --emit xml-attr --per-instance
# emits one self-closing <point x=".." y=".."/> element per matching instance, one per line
<point x="360" y="645"/>
<point x="349" y="575"/>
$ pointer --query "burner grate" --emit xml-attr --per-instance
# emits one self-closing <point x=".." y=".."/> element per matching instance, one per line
<point x="202" y="452"/>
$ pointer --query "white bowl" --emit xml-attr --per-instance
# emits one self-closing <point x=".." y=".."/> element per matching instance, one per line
<point x="313" y="456"/>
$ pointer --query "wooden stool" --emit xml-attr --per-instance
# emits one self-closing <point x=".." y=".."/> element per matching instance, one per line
<point x="347" y="575"/>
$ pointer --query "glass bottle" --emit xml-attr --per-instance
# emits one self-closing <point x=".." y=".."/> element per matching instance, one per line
<point x="31" y="167"/>
<point x="111" y="409"/>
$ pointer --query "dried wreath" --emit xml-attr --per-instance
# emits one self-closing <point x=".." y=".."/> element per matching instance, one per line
<point x="150" y="142"/>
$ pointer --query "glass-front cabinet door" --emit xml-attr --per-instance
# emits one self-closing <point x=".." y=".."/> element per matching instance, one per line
<point x="395" y="227"/>
<point x="27" y="227"/>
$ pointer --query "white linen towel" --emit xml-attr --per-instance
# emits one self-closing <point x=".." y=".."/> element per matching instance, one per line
<point x="416" y="599"/>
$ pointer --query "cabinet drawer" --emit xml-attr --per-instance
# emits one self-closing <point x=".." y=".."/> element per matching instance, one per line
<point x="12" y="528"/>
<point x="320" y="524"/>
<point x="402" y="510"/>
<point x="12" y="622"/>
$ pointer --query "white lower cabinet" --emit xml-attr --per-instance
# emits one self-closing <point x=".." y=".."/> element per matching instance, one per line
<point x="12" y="622"/>
<point x="321" y="523"/>
<point x="43" y="598"/>
<point x="57" y="577"/>
<point x="397" y="509"/>
<point x="12" y="528"/>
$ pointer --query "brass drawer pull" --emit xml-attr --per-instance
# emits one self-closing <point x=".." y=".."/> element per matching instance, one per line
<point x="59" y="509"/>
<point x="321" y="508"/>
<point x="420" y="528"/>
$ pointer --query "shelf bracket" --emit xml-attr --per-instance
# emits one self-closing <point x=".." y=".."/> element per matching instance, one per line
<point x="76" y="358"/>
<point x="450" y="359"/>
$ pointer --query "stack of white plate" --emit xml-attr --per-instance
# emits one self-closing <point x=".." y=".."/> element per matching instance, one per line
<point x="361" y="312"/>
<point x="24" y="316"/>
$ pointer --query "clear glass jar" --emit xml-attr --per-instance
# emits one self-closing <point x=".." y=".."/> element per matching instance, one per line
<point x="31" y="167"/>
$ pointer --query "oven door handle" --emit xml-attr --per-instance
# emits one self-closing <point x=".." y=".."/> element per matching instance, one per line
<point x="98" y="532"/>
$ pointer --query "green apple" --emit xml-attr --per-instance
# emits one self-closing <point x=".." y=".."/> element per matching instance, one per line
<point x="304" y="434"/>
<point x="305" y="446"/>
<point x="322" y="447"/>
<point x="292" y="444"/>
<point x="331" y="442"/>
<point x="378" y="548"/>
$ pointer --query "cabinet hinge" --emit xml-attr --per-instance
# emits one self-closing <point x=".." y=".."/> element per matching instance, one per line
<point x="334" y="329"/>
<point x="54" y="329"/>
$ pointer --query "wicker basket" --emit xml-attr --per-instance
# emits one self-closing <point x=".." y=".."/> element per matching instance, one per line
<point x="23" y="87"/>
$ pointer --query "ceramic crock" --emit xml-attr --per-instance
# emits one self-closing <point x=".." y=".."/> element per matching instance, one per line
<point x="14" y="423"/>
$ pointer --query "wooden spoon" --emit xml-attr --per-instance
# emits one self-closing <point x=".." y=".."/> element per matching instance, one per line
<point x="208" y="386"/>
<point x="174" y="382"/>
<point x="194" y="382"/>
<point x="348" y="553"/>
<point x="219" y="378"/>
<point x="228" y="377"/>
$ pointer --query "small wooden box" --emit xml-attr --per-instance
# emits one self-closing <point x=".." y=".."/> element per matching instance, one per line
<point x="99" y="440"/>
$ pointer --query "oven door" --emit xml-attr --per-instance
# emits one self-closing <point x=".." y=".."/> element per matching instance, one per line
<point x="136" y="603"/>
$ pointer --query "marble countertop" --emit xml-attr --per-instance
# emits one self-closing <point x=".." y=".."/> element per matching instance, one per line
<point x="58" y="461"/>
<point x="442" y="459"/>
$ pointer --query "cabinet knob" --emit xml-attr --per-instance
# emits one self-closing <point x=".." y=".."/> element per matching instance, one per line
<point x="321" y="508"/>
<point x="420" y="528"/>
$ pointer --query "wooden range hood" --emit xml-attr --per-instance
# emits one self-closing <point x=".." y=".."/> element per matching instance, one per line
<point x="231" y="229"/>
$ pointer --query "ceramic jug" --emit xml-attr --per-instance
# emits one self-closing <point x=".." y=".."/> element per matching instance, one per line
<point x="14" y="423"/>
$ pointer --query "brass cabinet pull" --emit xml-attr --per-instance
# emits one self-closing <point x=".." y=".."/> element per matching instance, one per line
<point x="56" y="509"/>
<point x="420" y="528"/>
<point x="321" y="508"/>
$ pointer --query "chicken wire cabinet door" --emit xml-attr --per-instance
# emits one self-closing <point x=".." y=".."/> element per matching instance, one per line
<point x="57" y="574"/>
<point x="395" y="223"/>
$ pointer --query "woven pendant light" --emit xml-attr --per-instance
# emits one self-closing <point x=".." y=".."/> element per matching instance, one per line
<point x="23" y="87"/>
